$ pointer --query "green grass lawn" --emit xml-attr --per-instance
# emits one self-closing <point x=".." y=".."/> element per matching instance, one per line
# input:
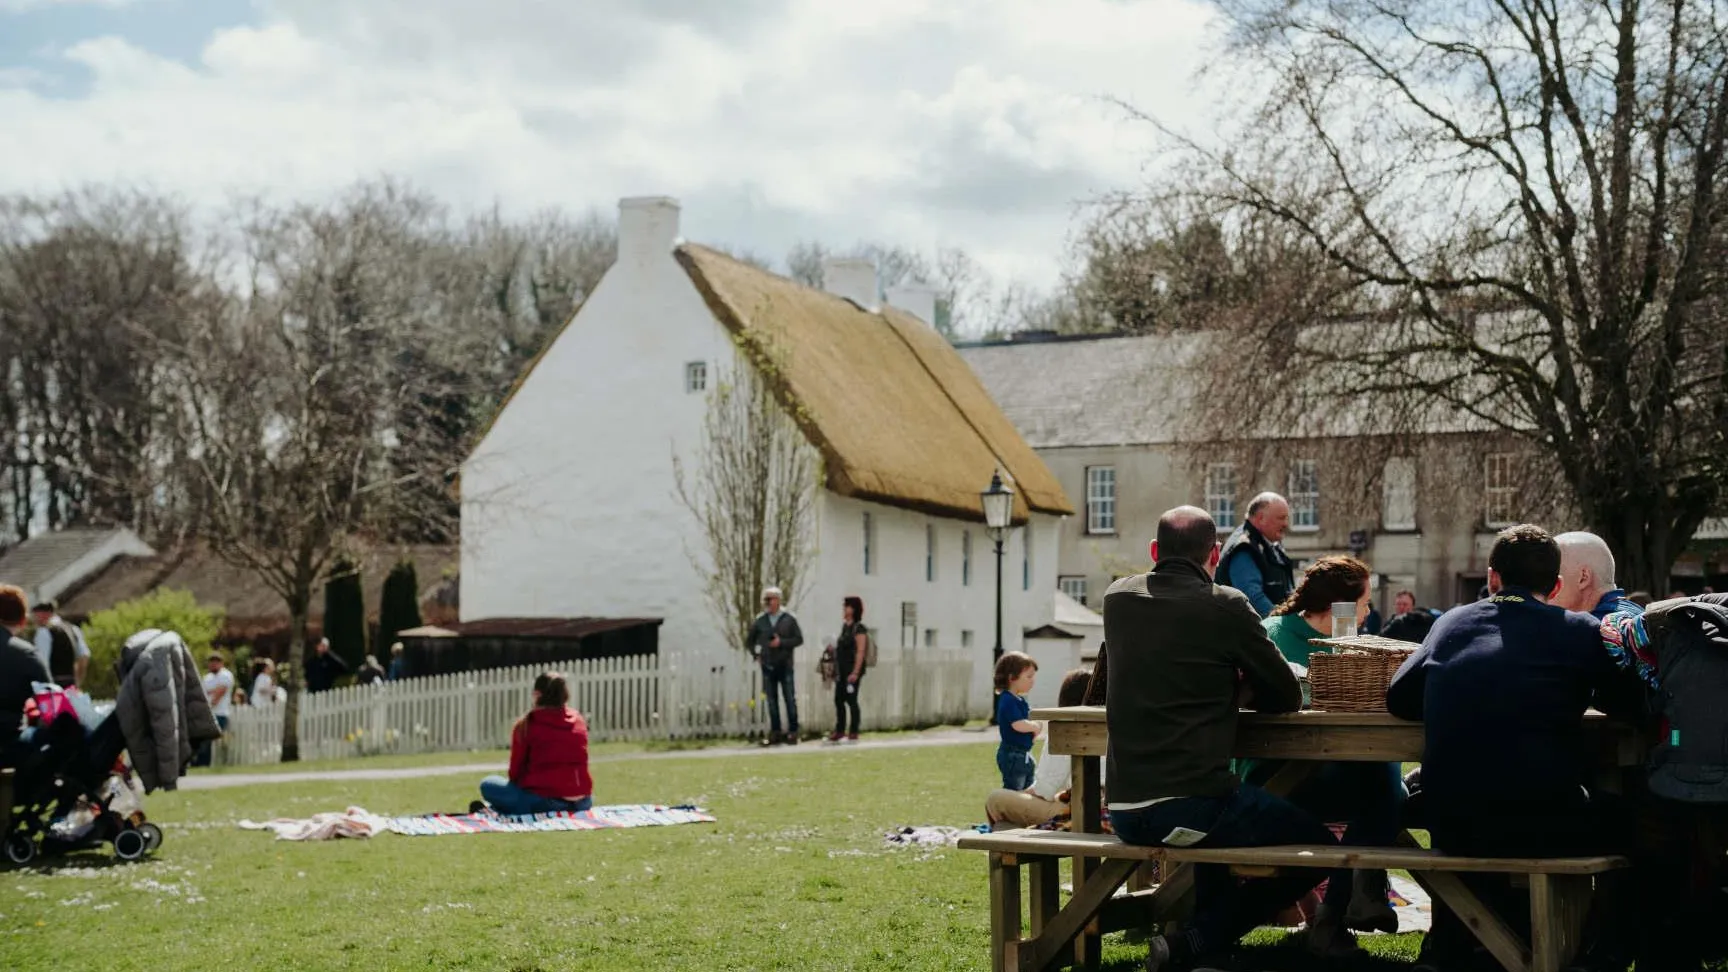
<point x="793" y="877"/>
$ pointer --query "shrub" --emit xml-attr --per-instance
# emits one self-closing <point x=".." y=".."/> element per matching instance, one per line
<point x="171" y="610"/>
<point x="399" y="607"/>
<point x="345" y="614"/>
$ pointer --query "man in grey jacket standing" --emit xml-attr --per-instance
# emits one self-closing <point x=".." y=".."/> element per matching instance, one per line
<point x="772" y="640"/>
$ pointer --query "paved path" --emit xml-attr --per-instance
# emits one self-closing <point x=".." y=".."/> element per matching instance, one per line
<point x="938" y="737"/>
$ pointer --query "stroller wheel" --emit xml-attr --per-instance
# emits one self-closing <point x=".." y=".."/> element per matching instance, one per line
<point x="152" y="836"/>
<point x="20" y="849"/>
<point x="130" y="845"/>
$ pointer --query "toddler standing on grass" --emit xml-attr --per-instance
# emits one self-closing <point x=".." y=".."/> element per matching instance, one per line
<point x="1015" y="673"/>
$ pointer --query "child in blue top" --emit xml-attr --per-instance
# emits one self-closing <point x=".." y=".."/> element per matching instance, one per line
<point x="1015" y="673"/>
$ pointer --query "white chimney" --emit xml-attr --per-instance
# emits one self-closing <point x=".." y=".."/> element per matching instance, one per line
<point x="647" y="228"/>
<point x="852" y="278"/>
<point x="917" y="299"/>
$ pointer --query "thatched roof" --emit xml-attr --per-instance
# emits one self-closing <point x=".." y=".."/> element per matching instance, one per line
<point x="898" y="417"/>
<point x="249" y="603"/>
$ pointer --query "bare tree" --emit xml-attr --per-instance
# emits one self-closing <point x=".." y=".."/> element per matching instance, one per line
<point x="753" y="493"/>
<point x="89" y="282"/>
<point x="1528" y="195"/>
<point x="309" y="433"/>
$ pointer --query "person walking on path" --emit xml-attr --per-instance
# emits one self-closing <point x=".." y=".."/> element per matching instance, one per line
<point x="548" y="758"/>
<point x="851" y="650"/>
<point x="1253" y="560"/>
<point x="61" y="645"/>
<point x="324" y="668"/>
<point x="773" y="639"/>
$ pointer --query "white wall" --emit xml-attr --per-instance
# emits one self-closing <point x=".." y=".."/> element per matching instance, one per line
<point x="948" y="605"/>
<point x="568" y="505"/>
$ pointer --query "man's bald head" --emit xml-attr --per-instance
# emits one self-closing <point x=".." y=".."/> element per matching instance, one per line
<point x="1586" y="570"/>
<point x="1270" y="514"/>
<point x="1187" y="533"/>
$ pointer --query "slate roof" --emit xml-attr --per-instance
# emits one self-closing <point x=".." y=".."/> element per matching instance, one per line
<point x="1101" y="391"/>
<point x="42" y="557"/>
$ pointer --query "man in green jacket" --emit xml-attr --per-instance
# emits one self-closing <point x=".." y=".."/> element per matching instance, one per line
<point x="1184" y="655"/>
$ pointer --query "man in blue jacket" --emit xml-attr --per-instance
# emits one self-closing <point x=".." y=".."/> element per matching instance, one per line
<point x="1501" y="687"/>
<point x="1253" y="559"/>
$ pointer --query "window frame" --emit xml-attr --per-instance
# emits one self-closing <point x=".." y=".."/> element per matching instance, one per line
<point x="695" y="377"/>
<point x="965" y="558"/>
<point x="930" y="553"/>
<point x="1026" y="558"/>
<point x="1304" y="500"/>
<point x="1077" y="581"/>
<point x="869" y="544"/>
<point x="1217" y="499"/>
<point x="1505" y="494"/>
<point x="1100" y="507"/>
<point x="1387" y="492"/>
<point x="909" y="625"/>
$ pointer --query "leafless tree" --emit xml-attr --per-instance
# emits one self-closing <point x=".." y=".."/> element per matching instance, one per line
<point x="752" y="490"/>
<point x="311" y="432"/>
<point x="1526" y="196"/>
<point x="89" y="282"/>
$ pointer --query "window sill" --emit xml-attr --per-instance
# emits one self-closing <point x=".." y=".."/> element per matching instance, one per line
<point x="1305" y="529"/>
<point x="1102" y="533"/>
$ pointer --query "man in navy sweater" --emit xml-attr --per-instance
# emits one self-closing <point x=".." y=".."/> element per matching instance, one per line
<point x="1501" y="687"/>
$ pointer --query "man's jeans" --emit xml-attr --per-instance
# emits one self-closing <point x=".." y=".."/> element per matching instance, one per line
<point x="775" y="680"/>
<point x="207" y="749"/>
<point x="511" y="800"/>
<point x="1250" y="817"/>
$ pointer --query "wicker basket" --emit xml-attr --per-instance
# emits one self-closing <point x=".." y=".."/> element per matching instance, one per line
<point x="1353" y="673"/>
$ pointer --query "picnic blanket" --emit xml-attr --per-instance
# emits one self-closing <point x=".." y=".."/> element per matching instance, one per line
<point x="929" y="836"/>
<point x="357" y="822"/>
<point x="352" y="822"/>
<point x="599" y="818"/>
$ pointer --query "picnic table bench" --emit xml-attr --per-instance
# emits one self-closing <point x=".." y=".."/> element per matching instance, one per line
<point x="6" y="778"/>
<point x="1063" y="935"/>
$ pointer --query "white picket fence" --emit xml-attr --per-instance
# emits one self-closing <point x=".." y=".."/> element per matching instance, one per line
<point x="637" y="697"/>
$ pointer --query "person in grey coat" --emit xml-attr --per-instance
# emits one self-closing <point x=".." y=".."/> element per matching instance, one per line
<point x="163" y="711"/>
<point x="773" y="638"/>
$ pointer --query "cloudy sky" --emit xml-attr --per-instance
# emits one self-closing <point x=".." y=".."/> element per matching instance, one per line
<point x="977" y="123"/>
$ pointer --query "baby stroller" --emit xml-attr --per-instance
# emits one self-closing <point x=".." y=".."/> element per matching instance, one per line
<point x="74" y="791"/>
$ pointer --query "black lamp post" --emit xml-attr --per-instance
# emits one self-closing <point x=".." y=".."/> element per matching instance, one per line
<point x="998" y="502"/>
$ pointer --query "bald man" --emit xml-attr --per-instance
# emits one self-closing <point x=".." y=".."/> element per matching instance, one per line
<point x="1587" y="577"/>
<point x="1253" y="560"/>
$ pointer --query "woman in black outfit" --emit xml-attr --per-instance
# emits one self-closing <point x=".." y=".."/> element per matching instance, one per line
<point x="849" y="653"/>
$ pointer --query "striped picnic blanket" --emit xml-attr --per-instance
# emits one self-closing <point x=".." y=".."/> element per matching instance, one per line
<point x="599" y="818"/>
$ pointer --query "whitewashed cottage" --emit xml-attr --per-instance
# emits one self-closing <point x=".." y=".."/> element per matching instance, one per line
<point x="569" y="503"/>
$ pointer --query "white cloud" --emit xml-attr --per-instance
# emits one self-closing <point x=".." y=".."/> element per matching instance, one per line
<point x="19" y="6"/>
<point x="978" y="123"/>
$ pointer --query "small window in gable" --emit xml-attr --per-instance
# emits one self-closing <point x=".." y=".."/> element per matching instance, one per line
<point x="696" y="377"/>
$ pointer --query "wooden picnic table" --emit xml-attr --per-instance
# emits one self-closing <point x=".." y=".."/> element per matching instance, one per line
<point x="1304" y="739"/>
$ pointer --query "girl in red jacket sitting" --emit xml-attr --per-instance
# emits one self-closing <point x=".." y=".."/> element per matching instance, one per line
<point x="548" y="757"/>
